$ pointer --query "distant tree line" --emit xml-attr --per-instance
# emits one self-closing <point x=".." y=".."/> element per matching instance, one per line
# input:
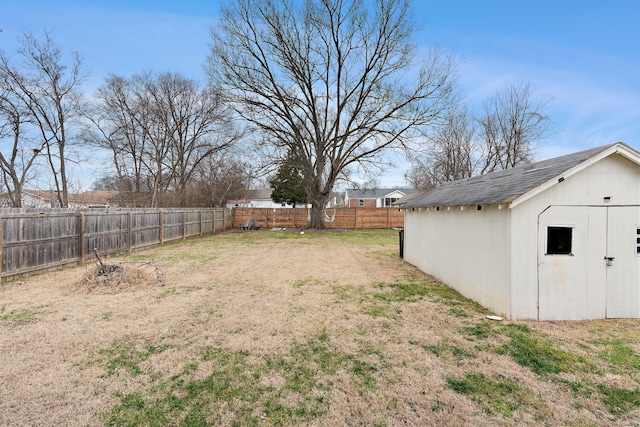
<point x="302" y="95"/>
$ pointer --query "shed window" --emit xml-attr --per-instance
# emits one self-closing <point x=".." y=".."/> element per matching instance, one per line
<point x="361" y="203"/>
<point x="559" y="240"/>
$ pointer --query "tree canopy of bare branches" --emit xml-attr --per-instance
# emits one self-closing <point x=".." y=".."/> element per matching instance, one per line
<point x="511" y="122"/>
<point x="334" y="82"/>
<point x="42" y="92"/>
<point x="19" y="152"/>
<point x="501" y="135"/>
<point x="220" y="178"/>
<point x="160" y="129"/>
<point x="451" y="154"/>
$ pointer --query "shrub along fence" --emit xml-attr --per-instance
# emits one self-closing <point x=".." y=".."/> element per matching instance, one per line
<point x="350" y="218"/>
<point x="39" y="240"/>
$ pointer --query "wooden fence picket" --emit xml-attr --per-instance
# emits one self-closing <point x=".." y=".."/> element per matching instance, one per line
<point x="36" y="240"/>
<point x="345" y="218"/>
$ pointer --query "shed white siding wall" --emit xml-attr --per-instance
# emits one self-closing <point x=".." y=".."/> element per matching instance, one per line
<point x="466" y="249"/>
<point x="614" y="177"/>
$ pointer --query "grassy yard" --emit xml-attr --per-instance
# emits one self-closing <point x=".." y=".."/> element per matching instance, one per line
<point x="277" y="328"/>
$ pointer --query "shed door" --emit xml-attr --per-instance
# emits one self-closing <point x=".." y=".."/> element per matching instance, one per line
<point x="623" y="270"/>
<point x="588" y="262"/>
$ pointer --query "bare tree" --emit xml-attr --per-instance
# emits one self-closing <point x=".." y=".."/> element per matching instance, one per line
<point x="335" y="82"/>
<point x="49" y="90"/>
<point x="220" y="178"/>
<point x="194" y="122"/>
<point x="160" y="128"/>
<point x="500" y="137"/>
<point x="106" y="183"/>
<point x="509" y="126"/>
<point x="119" y="119"/>
<point x="421" y="176"/>
<point x="18" y="153"/>
<point x="452" y="153"/>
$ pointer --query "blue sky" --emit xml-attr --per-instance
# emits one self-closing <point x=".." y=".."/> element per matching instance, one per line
<point x="581" y="55"/>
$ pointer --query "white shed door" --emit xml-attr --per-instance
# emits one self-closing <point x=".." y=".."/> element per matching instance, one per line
<point x="588" y="262"/>
<point x="622" y="261"/>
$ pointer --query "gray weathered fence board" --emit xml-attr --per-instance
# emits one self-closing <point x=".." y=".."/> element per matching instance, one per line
<point x="35" y="240"/>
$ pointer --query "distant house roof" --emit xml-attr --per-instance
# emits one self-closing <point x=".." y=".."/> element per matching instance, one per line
<point x="87" y="198"/>
<point x="93" y="197"/>
<point x="504" y="186"/>
<point x="262" y="194"/>
<point x="376" y="193"/>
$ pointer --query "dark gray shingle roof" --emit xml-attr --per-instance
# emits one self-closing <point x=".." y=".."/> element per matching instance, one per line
<point x="501" y="186"/>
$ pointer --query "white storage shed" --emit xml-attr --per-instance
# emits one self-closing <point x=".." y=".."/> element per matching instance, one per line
<point x="554" y="240"/>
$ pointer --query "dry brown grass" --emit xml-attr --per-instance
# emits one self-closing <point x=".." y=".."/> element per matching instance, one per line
<point x="73" y="350"/>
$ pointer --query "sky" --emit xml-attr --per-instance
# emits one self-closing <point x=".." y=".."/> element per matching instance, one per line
<point x="582" y="56"/>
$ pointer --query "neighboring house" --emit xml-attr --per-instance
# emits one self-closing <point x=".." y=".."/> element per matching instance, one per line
<point x="554" y="240"/>
<point x="29" y="200"/>
<point x="258" y="199"/>
<point x="48" y="199"/>
<point x="94" y="199"/>
<point x="375" y="198"/>
<point x="254" y="199"/>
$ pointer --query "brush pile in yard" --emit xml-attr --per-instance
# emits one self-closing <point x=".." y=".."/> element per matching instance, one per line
<point x="115" y="278"/>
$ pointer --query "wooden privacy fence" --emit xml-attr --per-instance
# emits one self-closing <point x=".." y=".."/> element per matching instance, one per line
<point x="350" y="218"/>
<point x="33" y="241"/>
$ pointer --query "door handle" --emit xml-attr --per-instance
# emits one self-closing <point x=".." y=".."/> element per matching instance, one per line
<point x="609" y="260"/>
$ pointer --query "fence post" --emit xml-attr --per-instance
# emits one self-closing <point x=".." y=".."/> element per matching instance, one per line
<point x="130" y="231"/>
<point x="201" y="224"/>
<point x="224" y="220"/>
<point x="388" y="217"/>
<point x="184" y="224"/>
<point x="81" y="248"/>
<point x="161" y="231"/>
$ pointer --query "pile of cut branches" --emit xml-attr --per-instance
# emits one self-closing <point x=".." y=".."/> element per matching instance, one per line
<point x="115" y="278"/>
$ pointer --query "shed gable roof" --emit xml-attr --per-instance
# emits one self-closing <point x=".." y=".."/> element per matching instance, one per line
<point x="507" y="185"/>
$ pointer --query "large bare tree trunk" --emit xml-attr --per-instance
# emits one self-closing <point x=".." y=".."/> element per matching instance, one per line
<point x="318" y="204"/>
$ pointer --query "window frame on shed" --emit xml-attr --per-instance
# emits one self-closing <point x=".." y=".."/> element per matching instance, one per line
<point x="559" y="240"/>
